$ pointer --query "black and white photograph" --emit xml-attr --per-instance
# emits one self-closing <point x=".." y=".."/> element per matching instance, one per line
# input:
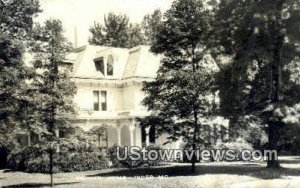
<point x="150" y="93"/>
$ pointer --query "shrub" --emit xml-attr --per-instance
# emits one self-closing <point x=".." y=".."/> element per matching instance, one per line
<point x="23" y="159"/>
<point x="128" y="162"/>
<point x="155" y="162"/>
<point x="238" y="145"/>
<point x="74" y="154"/>
<point x="187" y="154"/>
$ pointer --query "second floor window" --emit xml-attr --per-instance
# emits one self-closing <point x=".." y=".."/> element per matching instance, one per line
<point x="100" y="100"/>
<point x="103" y="100"/>
<point x="96" y="100"/>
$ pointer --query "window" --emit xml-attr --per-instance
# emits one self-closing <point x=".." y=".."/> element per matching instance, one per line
<point x="99" y="64"/>
<point x="96" y="100"/>
<point x="103" y="100"/>
<point x="110" y="66"/>
<point x="100" y="103"/>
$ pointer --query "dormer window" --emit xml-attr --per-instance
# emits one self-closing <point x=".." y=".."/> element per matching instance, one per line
<point x="110" y="66"/>
<point x="99" y="64"/>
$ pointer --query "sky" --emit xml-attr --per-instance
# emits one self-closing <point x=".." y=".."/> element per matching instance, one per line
<point x="81" y="14"/>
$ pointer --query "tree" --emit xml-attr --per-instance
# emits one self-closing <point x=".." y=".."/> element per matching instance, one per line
<point x="178" y="96"/>
<point x="53" y="88"/>
<point x="135" y="36"/>
<point x="261" y="38"/>
<point x="150" y="25"/>
<point x="116" y="32"/>
<point x="16" y="18"/>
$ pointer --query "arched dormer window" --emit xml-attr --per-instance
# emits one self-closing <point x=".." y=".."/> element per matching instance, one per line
<point x="99" y="64"/>
<point x="110" y="66"/>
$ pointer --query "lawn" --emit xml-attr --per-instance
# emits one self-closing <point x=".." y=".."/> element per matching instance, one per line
<point x="218" y="174"/>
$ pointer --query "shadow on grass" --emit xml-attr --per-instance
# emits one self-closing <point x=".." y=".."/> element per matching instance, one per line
<point x="253" y="170"/>
<point x="39" y="184"/>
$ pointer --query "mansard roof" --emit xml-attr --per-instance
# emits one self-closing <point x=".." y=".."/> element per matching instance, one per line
<point x="137" y="62"/>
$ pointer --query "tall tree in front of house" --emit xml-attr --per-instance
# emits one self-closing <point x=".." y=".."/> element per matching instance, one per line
<point x="116" y="32"/>
<point x="52" y="86"/>
<point x="262" y="40"/>
<point x="177" y="98"/>
<point x="16" y="18"/>
<point x="150" y="25"/>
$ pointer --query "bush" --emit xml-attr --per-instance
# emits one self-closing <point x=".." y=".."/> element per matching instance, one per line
<point x="187" y="155"/>
<point x="74" y="154"/>
<point x="238" y="145"/>
<point x="128" y="162"/>
<point x="155" y="162"/>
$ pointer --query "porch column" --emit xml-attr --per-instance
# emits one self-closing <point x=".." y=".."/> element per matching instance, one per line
<point x="131" y="129"/>
<point x="119" y="135"/>
<point x="147" y="130"/>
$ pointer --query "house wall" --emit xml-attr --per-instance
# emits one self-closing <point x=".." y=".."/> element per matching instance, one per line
<point x="139" y="97"/>
<point x="128" y="98"/>
<point x="84" y="97"/>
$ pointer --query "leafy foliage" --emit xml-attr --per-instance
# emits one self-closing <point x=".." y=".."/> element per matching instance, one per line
<point x="116" y="32"/>
<point x="128" y="162"/>
<point x="53" y="89"/>
<point x="74" y="154"/>
<point x="262" y="39"/>
<point x="178" y="98"/>
<point x="150" y="25"/>
<point x="16" y="18"/>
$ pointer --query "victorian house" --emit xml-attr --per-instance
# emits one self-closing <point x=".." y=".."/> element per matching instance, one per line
<point x="109" y="83"/>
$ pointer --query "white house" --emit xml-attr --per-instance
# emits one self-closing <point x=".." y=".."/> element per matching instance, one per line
<point x="109" y="82"/>
<point x="109" y="94"/>
<point x="109" y="85"/>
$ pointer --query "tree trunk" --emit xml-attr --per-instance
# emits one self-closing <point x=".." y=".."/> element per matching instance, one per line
<point x="193" y="168"/>
<point x="233" y="129"/>
<point x="273" y="127"/>
<point x="51" y="166"/>
<point x="273" y="137"/>
<point x="196" y="129"/>
<point x="195" y="111"/>
<point x="53" y="108"/>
